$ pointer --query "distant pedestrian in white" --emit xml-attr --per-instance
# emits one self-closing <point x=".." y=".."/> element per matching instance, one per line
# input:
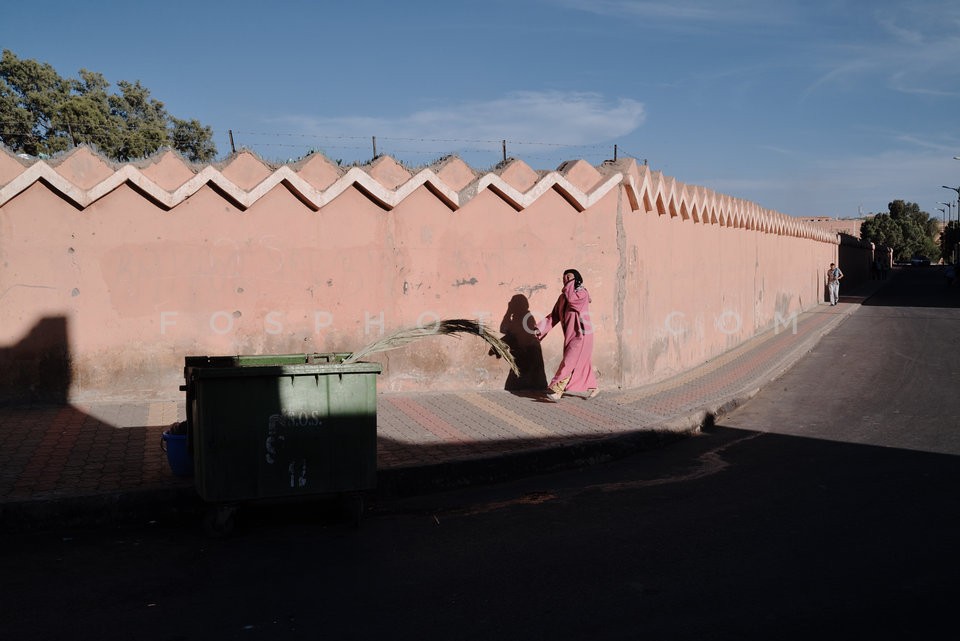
<point x="833" y="283"/>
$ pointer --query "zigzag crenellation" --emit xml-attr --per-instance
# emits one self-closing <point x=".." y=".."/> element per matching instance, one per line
<point x="82" y="177"/>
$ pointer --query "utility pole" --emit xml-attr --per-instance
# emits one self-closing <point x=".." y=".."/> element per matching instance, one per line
<point x="956" y="189"/>
<point x="949" y="211"/>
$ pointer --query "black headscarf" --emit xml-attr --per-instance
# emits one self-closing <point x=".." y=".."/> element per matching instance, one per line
<point x="577" y="278"/>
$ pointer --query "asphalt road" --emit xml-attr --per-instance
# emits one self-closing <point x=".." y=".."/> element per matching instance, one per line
<point x="795" y="517"/>
<point x="888" y="376"/>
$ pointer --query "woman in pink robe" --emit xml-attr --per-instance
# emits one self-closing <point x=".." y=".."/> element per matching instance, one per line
<point x="572" y="312"/>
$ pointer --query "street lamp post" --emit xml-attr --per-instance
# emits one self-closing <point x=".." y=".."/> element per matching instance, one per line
<point x="949" y="211"/>
<point x="943" y="233"/>
<point x="956" y="189"/>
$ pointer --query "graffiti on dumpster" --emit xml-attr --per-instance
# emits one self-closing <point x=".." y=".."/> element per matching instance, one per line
<point x="302" y="419"/>
<point x="298" y="478"/>
<point x="279" y="426"/>
<point x="275" y="438"/>
<point x="278" y="423"/>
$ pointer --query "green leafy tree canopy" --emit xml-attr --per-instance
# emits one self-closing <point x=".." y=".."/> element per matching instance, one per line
<point x="42" y="113"/>
<point x="907" y="230"/>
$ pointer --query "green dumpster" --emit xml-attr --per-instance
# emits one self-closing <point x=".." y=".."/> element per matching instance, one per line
<point x="263" y="427"/>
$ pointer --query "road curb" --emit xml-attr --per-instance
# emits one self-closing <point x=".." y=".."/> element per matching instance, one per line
<point x="407" y="481"/>
<point x="169" y="504"/>
<point x="97" y="509"/>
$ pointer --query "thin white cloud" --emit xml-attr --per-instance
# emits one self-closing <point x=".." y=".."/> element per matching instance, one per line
<point x="881" y="178"/>
<point x="906" y="47"/>
<point x="900" y="33"/>
<point x="778" y="150"/>
<point x="686" y="11"/>
<point x="921" y="142"/>
<point x="914" y="50"/>
<point x="547" y="117"/>
<point x="843" y="186"/>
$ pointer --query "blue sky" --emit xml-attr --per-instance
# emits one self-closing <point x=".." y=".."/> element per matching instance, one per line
<point x="808" y="107"/>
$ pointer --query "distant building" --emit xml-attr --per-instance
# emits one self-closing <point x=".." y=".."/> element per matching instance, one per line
<point x="848" y="226"/>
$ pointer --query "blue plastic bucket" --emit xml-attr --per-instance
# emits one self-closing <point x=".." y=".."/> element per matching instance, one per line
<point x="179" y="457"/>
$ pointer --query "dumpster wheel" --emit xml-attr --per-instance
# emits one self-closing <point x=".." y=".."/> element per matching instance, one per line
<point x="353" y="507"/>
<point x="220" y="520"/>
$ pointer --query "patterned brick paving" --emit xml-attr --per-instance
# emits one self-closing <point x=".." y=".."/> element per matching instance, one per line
<point x="84" y="450"/>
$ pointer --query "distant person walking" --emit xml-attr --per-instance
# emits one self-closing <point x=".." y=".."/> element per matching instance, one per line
<point x="572" y="312"/>
<point x="884" y="265"/>
<point x="833" y="283"/>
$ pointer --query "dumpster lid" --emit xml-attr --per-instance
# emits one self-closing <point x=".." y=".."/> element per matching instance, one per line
<point x="285" y="370"/>
<point x="276" y="365"/>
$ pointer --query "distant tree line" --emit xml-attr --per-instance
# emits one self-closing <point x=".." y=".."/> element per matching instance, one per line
<point x="907" y="230"/>
<point x="42" y="113"/>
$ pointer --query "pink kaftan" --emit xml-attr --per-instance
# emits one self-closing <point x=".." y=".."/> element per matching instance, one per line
<point x="572" y="312"/>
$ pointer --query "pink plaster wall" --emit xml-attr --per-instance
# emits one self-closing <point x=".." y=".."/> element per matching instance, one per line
<point x="143" y="264"/>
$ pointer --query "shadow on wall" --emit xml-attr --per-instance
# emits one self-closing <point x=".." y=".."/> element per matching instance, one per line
<point x="38" y="367"/>
<point x="523" y="345"/>
<point x="854" y="257"/>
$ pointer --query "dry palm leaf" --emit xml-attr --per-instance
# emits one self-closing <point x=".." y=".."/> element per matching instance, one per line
<point x="452" y="327"/>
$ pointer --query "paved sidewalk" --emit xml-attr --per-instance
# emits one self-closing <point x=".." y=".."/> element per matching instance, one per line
<point x="103" y="461"/>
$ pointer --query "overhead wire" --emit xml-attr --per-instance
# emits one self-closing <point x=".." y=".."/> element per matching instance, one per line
<point x="325" y="142"/>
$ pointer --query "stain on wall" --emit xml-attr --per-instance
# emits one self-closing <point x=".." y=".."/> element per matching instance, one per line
<point x="160" y="259"/>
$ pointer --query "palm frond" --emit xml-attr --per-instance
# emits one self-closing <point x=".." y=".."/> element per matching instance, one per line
<point x="451" y="327"/>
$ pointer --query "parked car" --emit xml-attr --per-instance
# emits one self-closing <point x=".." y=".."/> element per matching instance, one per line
<point x="918" y="261"/>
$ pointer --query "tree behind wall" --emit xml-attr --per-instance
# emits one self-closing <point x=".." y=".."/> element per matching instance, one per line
<point x="909" y="231"/>
<point x="42" y="113"/>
